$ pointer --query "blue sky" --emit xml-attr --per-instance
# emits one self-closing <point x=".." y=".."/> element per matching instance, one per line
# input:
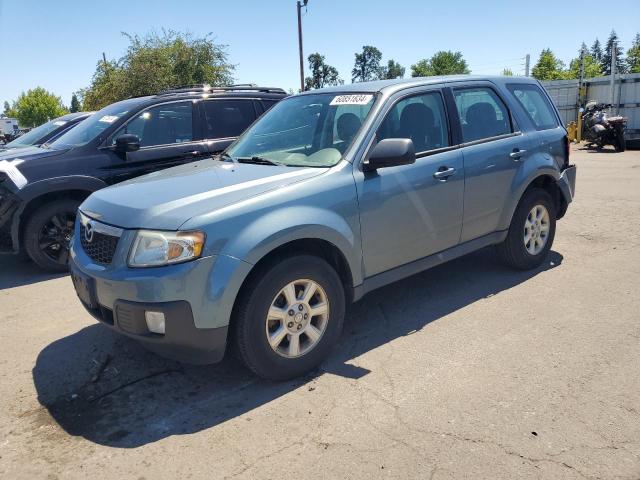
<point x="56" y="44"/>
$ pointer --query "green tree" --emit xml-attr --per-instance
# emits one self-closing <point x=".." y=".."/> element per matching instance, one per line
<point x="592" y="67"/>
<point x="75" y="104"/>
<point x="608" y="52"/>
<point x="392" y="70"/>
<point x="322" y="75"/>
<point x="507" y="72"/>
<point x="367" y="65"/>
<point x="633" y="56"/>
<point x="596" y="51"/>
<point x="442" y="63"/>
<point x="548" y="67"/>
<point x="36" y="107"/>
<point x="7" y="108"/>
<point x="155" y="62"/>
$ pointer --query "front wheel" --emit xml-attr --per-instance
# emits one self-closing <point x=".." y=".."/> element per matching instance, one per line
<point x="48" y="232"/>
<point x="531" y="232"/>
<point x="289" y="316"/>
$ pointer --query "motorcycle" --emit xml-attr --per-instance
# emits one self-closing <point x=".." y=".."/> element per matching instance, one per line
<point x="601" y="129"/>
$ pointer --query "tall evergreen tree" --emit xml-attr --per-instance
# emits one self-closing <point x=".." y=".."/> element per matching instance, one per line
<point x="612" y="42"/>
<point x="633" y="56"/>
<point x="75" y="104"/>
<point x="596" y="51"/>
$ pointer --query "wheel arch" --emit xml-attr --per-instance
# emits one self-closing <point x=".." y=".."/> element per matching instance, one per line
<point x="545" y="179"/>
<point x="39" y="193"/>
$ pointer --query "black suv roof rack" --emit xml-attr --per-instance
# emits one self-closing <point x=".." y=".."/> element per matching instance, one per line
<point x="206" y="88"/>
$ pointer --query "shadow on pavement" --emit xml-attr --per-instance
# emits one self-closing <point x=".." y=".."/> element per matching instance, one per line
<point x="109" y="390"/>
<point x="16" y="271"/>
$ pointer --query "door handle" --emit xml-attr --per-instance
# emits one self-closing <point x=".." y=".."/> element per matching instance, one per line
<point x="517" y="154"/>
<point x="443" y="173"/>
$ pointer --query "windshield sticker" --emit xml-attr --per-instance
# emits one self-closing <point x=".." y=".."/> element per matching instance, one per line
<point x="15" y="175"/>
<point x="351" y="100"/>
<point x="108" y="119"/>
<point x="59" y="123"/>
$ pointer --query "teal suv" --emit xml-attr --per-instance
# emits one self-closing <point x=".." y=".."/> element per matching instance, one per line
<point x="329" y="195"/>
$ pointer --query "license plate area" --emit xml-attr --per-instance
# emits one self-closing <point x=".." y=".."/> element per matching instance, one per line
<point x="85" y="289"/>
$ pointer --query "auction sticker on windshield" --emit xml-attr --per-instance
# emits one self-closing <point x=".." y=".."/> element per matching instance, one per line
<point x="351" y="99"/>
<point x="109" y="118"/>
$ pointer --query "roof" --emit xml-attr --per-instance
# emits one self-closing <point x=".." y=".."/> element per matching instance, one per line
<point x="74" y="115"/>
<point x="390" y="86"/>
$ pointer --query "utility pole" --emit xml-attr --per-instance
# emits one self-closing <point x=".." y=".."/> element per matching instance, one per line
<point x="300" y="5"/>
<point x="613" y="77"/>
<point x="581" y="95"/>
<point x="527" y="59"/>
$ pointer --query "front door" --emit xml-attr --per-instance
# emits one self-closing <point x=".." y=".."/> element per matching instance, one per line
<point x="166" y="134"/>
<point x="411" y="211"/>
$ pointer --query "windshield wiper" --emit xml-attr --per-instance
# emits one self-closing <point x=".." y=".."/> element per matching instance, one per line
<point x="257" y="160"/>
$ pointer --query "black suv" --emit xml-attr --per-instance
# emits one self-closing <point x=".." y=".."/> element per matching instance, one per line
<point x="42" y="187"/>
<point x="47" y="132"/>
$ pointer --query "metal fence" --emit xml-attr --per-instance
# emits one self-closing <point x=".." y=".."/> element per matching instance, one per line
<point x="626" y="101"/>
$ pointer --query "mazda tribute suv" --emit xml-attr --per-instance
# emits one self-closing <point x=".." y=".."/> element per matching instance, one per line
<point x="331" y="194"/>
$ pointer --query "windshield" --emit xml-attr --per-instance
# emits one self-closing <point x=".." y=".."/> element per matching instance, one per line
<point x="32" y="137"/>
<point x="306" y="130"/>
<point x="93" y="126"/>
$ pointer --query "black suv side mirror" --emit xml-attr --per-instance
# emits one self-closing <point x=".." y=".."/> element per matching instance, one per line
<point x="127" y="142"/>
<point x="391" y="152"/>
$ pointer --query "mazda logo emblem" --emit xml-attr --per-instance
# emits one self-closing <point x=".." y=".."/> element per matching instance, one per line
<point x="88" y="232"/>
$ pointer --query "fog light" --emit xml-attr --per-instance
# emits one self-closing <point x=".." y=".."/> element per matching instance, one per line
<point x="155" y="321"/>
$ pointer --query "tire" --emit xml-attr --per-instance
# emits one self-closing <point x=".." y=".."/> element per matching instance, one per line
<point x="252" y="320"/>
<point x="620" y="144"/>
<point x="51" y="225"/>
<point x="515" y="251"/>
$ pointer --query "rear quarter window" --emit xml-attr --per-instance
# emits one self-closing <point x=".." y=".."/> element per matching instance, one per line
<point x="536" y="104"/>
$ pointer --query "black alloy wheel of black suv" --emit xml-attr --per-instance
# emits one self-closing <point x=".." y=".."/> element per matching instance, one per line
<point x="42" y="187"/>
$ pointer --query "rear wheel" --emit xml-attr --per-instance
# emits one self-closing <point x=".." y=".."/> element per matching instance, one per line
<point x="620" y="144"/>
<point x="289" y="317"/>
<point x="48" y="232"/>
<point x="531" y="232"/>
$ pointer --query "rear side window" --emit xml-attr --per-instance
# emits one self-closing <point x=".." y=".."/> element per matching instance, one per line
<point x="482" y="113"/>
<point x="161" y="125"/>
<point x="227" y="118"/>
<point x="267" y="103"/>
<point x="536" y="104"/>
<point x="420" y="118"/>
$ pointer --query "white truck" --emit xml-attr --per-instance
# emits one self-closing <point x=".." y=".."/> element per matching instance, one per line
<point x="8" y="129"/>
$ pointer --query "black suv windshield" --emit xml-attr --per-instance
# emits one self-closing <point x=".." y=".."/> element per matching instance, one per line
<point x="93" y="126"/>
<point x="307" y="130"/>
<point x="32" y="136"/>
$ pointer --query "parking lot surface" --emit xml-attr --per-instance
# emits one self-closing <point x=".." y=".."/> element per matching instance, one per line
<point x="469" y="370"/>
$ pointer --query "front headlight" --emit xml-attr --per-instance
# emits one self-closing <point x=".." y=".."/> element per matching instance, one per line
<point x="155" y="248"/>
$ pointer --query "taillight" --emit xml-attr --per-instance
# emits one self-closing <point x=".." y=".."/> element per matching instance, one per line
<point x="567" y="150"/>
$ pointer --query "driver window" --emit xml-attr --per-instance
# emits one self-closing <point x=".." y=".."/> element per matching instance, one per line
<point x="161" y="125"/>
<point x="421" y="118"/>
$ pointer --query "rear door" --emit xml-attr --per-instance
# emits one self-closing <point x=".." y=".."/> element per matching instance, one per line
<point x="492" y="148"/>
<point x="167" y="136"/>
<point x="549" y="133"/>
<point x="224" y="120"/>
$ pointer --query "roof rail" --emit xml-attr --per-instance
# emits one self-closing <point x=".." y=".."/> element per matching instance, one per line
<point x="206" y="88"/>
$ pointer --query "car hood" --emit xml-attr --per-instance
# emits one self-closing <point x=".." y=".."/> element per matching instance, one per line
<point x="28" y="153"/>
<point x="167" y="199"/>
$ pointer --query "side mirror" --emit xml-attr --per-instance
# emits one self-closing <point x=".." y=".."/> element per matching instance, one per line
<point x="391" y="152"/>
<point x="127" y="143"/>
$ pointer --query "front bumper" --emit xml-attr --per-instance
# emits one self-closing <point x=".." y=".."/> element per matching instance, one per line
<point x="196" y="297"/>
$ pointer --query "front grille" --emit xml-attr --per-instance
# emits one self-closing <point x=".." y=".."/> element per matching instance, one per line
<point x="101" y="247"/>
